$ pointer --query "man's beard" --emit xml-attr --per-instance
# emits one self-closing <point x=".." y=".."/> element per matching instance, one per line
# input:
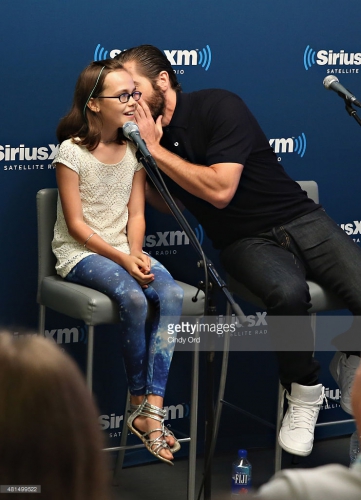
<point x="156" y="102"/>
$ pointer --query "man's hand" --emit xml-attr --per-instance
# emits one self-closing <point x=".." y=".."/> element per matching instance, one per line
<point x="150" y="131"/>
<point x="216" y="183"/>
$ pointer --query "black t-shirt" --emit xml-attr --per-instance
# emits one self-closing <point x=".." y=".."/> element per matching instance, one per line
<point x="215" y="126"/>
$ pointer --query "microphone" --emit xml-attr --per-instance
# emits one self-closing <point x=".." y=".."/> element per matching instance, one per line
<point x="131" y="131"/>
<point x="331" y="83"/>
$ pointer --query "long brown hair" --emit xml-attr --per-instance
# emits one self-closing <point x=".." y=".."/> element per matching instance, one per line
<point x="81" y="121"/>
<point x="49" y="433"/>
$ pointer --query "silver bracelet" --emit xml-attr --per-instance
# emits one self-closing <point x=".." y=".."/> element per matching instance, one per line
<point x="88" y="238"/>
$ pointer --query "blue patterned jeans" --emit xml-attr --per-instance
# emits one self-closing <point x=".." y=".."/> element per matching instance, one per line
<point x="146" y="352"/>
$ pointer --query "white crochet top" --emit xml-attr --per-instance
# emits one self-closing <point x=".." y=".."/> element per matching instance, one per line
<point x="104" y="192"/>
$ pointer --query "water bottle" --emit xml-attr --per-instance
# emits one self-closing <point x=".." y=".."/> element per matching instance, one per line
<point x="241" y="475"/>
<point x="354" y="447"/>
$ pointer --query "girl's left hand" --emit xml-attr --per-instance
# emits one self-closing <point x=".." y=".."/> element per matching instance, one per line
<point x="145" y="259"/>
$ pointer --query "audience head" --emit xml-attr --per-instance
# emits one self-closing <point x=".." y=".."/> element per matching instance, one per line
<point x="49" y="433"/>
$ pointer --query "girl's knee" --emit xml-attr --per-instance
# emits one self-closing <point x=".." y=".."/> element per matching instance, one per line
<point x="133" y="300"/>
<point x="173" y="291"/>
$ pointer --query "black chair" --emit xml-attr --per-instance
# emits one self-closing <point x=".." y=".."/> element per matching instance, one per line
<point x="95" y="308"/>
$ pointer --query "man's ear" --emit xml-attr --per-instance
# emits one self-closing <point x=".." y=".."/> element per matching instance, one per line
<point x="93" y="105"/>
<point x="163" y="80"/>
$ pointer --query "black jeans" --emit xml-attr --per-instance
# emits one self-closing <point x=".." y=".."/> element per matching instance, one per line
<point x="274" y="266"/>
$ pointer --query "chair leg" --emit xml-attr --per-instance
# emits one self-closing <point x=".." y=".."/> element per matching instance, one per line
<point x="206" y="484"/>
<point x="222" y="386"/>
<point x="89" y="363"/>
<point x="278" y="449"/>
<point x="193" y="433"/>
<point x="123" y="441"/>
<point x="313" y="327"/>
<point x="42" y="320"/>
<point x="192" y="459"/>
<point x="223" y="379"/>
<point x="221" y="389"/>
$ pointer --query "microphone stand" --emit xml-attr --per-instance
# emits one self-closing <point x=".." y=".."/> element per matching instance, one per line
<point x="212" y="416"/>
<point x="351" y="111"/>
<point x="153" y="172"/>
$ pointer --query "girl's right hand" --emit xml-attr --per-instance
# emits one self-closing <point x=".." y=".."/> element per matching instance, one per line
<point x="133" y="265"/>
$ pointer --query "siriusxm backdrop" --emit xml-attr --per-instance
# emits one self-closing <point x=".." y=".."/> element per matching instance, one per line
<point x="274" y="54"/>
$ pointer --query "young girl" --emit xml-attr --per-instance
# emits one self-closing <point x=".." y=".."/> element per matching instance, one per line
<point x="99" y="234"/>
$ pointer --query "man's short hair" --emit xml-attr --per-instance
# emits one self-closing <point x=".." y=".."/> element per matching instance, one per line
<point x="150" y="62"/>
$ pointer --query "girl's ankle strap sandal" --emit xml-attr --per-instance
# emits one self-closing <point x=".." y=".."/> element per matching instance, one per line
<point x="156" y="445"/>
<point x="176" y="447"/>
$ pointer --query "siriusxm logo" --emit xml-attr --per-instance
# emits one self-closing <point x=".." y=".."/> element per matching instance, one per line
<point x="177" y="57"/>
<point x="252" y="320"/>
<point x="100" y="53"/>
<point x="61" y="335"/>
<point x="332" y="393"/>
<point x="352" y="229"/>
<point x="290" y="145"/>
<point x="171" y="238"/>
<point x="111" y="421"/>
<point x="67" y="335"/>
<point x="334" y="396"/>
<point x="18" y="335"/>
<point x="202" y="57"/>
<point x="166" y="239"/>
<point x="114" y="421"/>
<point x="21" y="153"/>
<point x="330" y="58"/>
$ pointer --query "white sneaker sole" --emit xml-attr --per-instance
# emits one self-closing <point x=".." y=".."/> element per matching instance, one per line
<point x="292" y="451"/>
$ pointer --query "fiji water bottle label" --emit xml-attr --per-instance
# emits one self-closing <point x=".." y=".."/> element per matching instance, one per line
<point x="241" y="483"/>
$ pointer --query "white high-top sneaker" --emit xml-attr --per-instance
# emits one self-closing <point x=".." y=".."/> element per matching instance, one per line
<point x="298" y="426"/>
<point x="343" y="370"/>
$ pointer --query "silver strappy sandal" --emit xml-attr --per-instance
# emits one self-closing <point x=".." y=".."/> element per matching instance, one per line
<point x="176" y="447"/>
<point x="154" y="446"/>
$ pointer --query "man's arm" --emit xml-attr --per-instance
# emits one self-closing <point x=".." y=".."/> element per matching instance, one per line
<point x="216" y="184"/>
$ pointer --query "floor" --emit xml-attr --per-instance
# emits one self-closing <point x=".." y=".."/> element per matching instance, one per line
<point x="158" y="481"/>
